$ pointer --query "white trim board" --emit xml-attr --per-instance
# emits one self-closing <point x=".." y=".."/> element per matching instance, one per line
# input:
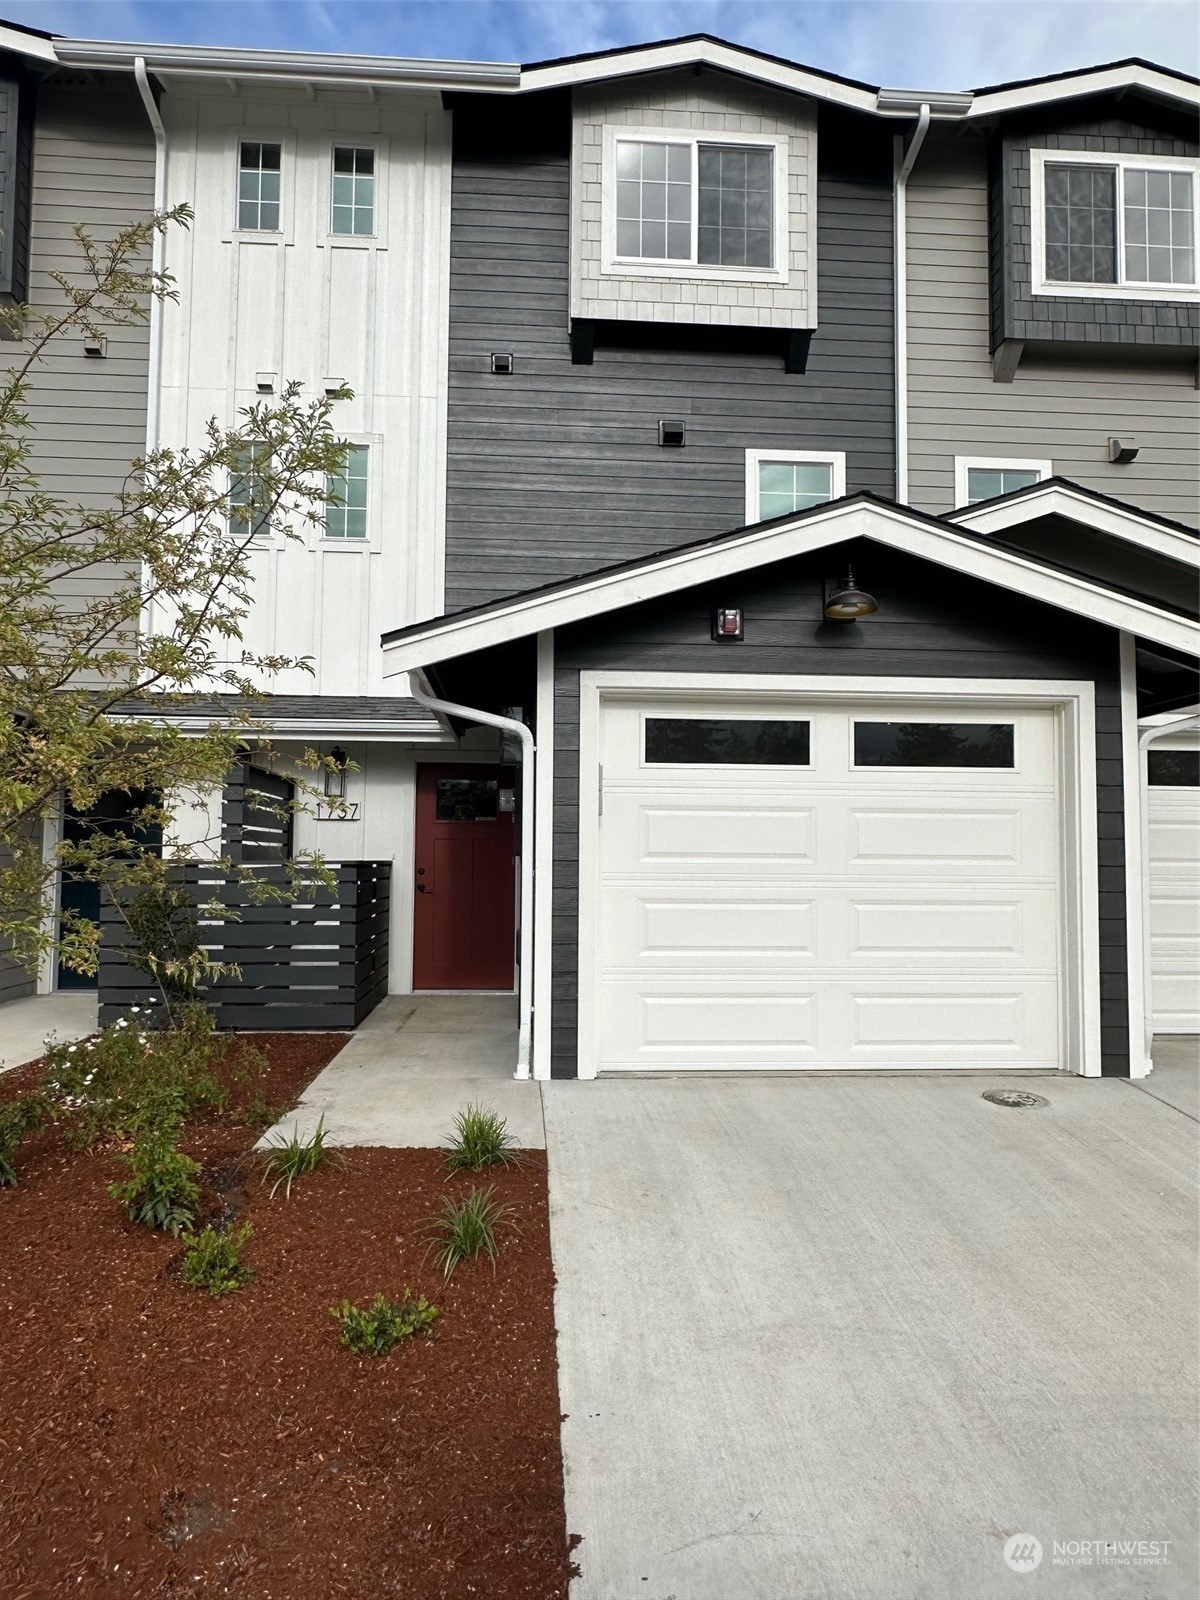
<point x="1135" y="865"/>
<point x="763" y="545"/>
<point x="1061" y="500"/>
<point x="543" y="848"/>
<point x="1079" y="842"/>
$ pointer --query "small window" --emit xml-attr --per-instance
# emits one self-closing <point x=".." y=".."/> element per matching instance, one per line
<point x="353" y="191"/>
<point x="726" y="741"/>
<point x="933" y="744"/>
<point x="1115" y="223"/>
<point x="692" y="202"/>
<point x="346" y="497"/>
<point x="259" y="174"/>
<point x="1173" y="769"/>
<point x="781" y="482"/>
<point x="249" y="506"/>
<point x="982" y="478"/>
<point x="468" y="799"/>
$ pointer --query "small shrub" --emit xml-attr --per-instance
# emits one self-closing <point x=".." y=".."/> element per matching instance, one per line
<point x="18" y="1120"/>
<point x="213" y="1260"/>
<point x="260" y="1113"/>
<point x="161" y="1190"/>
<point x="372" y="1330"/>
<point x="481" y="1139"/>
<point x="295" y="1158"/>
<point x="467" y="1228"/>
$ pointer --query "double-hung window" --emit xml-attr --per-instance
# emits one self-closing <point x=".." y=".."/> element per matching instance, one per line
<point x="249" y="512"/>
<point x="780" y="482"/>
<point x="708" y="203"/>
<point x="1115" y="225"/>
<point x="259" y="178"/>
<point x="353" y="190"/>
<point x="979" y="478"/>
<point x="346" y="497"/>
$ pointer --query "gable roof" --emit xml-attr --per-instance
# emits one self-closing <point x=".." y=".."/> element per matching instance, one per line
<point x="860" y="516"/>
<point x="1060" y="497"/>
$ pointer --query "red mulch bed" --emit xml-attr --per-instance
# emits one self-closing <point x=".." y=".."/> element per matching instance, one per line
<point x="159" y="1442"/>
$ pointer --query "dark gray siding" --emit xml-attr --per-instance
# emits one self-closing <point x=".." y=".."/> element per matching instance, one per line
<point x="931" y="623"/>
<point x="557" y="469"/>
<point x="16" y="148"/>
<point x="1016" y="314"/>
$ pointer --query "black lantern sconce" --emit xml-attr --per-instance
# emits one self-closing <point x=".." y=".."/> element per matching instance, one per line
<point x="335" y="775"/>
<point x="846" y="602"/>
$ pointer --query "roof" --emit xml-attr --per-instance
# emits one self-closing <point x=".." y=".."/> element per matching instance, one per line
<point x="298" y="715"/>
<point x="761" y="544"/>
<point x="1060" y="497"/>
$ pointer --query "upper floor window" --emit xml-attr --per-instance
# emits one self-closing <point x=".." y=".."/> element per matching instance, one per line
<point x="259" y="173"/>
<point x="346" y="497"/>
<point x="248" y="511"/>
<point x="1115" y="225"/>
<point x="691" y="202"/>
<point x="979" y="478"/>
<point x="353" y="190"/>
<point x="779" y="482"/>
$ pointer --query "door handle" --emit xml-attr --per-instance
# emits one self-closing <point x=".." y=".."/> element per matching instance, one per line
<point x="421" y="888"/>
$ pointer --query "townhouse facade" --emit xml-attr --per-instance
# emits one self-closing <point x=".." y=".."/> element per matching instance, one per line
<point x="777" y="500"/>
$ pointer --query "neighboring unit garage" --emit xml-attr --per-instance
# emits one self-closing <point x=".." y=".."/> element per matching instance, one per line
<point x="1173" y="802"/>
<point x="801" y="883"/>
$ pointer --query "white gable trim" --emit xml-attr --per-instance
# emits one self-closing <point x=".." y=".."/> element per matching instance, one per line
<point x="1057" y="500"/>
<point x="1105" y="80"/>
<point x="758" y="547"/>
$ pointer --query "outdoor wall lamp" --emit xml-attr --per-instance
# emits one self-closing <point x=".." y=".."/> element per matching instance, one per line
<point x="335" y="775"/>
<point x="846" y="602"/>
<point x="728" y="623"/>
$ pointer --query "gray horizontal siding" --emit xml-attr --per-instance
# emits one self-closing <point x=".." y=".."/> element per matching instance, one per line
<point x="1057" y="407"/>
<point x="557" y="469"/>
<point x="931" y="623"/>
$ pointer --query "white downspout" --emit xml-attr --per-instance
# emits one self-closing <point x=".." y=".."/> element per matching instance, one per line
<point x="528" y="776"/>
<point x="1147" y="738"/>
<point x="905" y="161"/>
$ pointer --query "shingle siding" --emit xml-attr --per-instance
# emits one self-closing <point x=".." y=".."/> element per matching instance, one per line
<point x="556" y="469"/>
<point x="931" y="623"/>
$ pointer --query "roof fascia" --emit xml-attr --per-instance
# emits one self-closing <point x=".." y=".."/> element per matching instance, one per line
<point x="759" y="547"/>
<point x="21" y="43"/>
<point x="1108" y="80"/>
<point x="1053" y="500"/>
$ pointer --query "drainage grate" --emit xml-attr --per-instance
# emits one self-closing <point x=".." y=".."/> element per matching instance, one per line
<point x="1020" y="1098"/>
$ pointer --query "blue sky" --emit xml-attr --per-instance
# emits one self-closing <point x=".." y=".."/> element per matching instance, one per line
<point x="944" y="44"/>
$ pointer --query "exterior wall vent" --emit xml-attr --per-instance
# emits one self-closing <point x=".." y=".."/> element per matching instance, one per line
<point x="502" y="363"/>
<point x="672" y="433"/>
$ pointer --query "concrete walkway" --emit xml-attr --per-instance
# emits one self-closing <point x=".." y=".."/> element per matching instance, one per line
<point x="26" y="1025"/>
<point x="414" y="1062"/>
<point x="839" y="1338"/>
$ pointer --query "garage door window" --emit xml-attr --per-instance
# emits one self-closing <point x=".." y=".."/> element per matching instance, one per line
<point x="1174" y="769"/>
<point x="933" y="744"/>
<point x="726" y="741"/>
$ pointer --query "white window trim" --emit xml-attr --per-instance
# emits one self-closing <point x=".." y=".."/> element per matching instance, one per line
<point x="826" y="458"/>
<point x="286" y="140"/>
<point x="332" y="543"/>
<point x="613" y="265"/>
<point x="964" y="465"/>
<point x="353" y="241"/>
<point x="1119" y="162"/>
<point x="1074" y="704"/>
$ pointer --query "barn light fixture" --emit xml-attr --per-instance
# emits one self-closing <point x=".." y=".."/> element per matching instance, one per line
<point x="335" y="775"/>
<point x="846" y="602"/>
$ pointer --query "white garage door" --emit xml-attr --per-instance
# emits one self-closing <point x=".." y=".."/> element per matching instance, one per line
<point x="820" y="887"/>
<point x="1173" y="801"/>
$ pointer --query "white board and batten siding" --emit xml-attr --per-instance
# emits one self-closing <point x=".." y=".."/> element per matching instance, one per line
<point x="1055" y="409"/>
<point x="827" y="916"/>
<point x="304" y="304"/>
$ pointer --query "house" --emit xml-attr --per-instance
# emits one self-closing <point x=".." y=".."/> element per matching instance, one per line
<point x="780" y="529"/>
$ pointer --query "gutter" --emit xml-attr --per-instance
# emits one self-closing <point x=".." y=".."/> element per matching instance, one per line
<point x="905" y="161"/>
<point x="490" y="719"/>
<point x="1145" y="740"/>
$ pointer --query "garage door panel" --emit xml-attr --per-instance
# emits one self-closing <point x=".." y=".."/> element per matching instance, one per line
<point x="972" y="1028"/>
<point x="714" y="931"/>
<point x="902" y="835"/>
<point x="1174" y="872"/>
<point x="967" y="930"/>
<point x="724" y="834"/>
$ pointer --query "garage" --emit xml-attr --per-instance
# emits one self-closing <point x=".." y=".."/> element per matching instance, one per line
<point x="827" y="884"/>
<point x="1173" y="805"/>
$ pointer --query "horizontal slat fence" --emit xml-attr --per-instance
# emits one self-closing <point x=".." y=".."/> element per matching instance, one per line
<point x="318" y="960"/>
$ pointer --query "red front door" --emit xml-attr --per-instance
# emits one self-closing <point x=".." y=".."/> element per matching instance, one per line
<point x="464" y="920"/>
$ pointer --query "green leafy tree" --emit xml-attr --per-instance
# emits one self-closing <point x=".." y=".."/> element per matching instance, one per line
<point x="87" y="689"/>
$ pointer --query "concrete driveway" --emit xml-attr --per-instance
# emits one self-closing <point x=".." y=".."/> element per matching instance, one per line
<point x="824" y="1338"/>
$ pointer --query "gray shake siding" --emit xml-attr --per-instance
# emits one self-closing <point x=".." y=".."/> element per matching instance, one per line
<point x="556" y="469"/>
<point x="1059" y="407"/>
<point x="931" y="623"/>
